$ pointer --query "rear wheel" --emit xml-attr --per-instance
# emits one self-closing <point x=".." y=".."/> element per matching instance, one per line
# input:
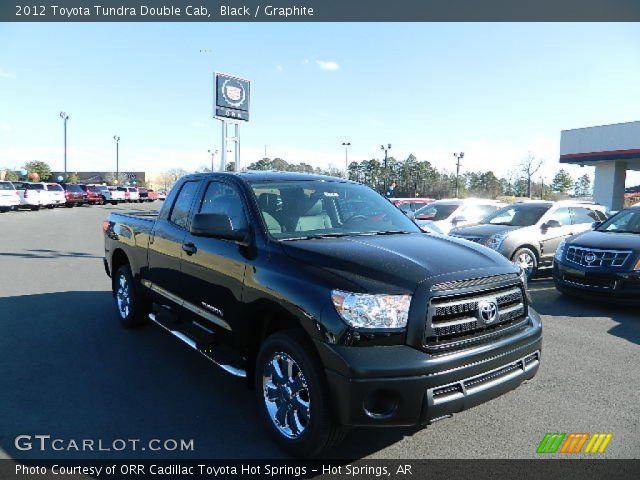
<point x="527" y="260"/>
<point x="4" y="209"/>
<point x="293" y="396"/>
<point x="35" y="207"/>
<point x="132" y="309"/>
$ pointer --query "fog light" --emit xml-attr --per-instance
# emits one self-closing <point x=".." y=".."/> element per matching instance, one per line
<point x="381" y="404"/>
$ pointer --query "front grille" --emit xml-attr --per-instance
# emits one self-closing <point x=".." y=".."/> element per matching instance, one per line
<point x="455" y="320"/>
<point x="591" y="281"/>
<point x="592" y="257"/>
<point x="470" y="238"/>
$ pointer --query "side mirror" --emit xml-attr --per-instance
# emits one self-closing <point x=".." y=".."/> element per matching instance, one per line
<point x="458" y="219"/>
<point x="552" y="224"/>
<point x="410" y="214"/>
<point x="215" y="225"/>
<point x="595" y="225"/>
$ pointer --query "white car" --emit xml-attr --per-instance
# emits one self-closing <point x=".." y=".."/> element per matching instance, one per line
<point x="131" y="194"/>
<point x="32" y="195"/>
<point x="56" y="195"/>
<point x="113" y="195"/>
<point x="9" y="198"/>
<point x="443" y="215"/>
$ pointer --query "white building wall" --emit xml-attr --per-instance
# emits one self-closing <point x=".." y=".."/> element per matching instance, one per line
<point x="608" y="187"/>
<point x="606" y="138"/>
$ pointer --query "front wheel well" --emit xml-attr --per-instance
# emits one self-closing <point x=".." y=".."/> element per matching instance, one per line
<point x="270" y="319"/>
<point x="529" y="247"/>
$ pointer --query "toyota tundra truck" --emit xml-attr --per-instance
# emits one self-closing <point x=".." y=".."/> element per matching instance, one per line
<point x="332" y="304"/>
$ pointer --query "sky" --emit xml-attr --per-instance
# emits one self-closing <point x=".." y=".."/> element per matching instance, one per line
<point x="495" y="91"/>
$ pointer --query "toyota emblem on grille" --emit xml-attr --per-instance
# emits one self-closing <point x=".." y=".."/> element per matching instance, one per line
<point x="590" y="257"/>
<point x="488" y="311"/>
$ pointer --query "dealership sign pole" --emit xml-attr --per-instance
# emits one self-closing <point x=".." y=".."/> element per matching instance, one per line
<point x="231" y="107"/>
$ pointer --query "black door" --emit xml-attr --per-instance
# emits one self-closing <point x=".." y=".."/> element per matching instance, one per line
<point x="214" y="271"/>
<point x="165" y="246"/>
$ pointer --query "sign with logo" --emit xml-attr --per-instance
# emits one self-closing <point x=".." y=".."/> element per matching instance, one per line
<point x="232" y="96"/>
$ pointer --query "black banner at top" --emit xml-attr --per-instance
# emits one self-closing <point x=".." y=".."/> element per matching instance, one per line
<point x="319" y="10"/>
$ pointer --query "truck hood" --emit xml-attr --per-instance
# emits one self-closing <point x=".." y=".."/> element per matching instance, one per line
<point x="397" y="263"/>
<point x="607" y="240"/>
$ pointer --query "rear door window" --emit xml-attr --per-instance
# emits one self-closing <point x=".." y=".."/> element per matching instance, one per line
<point x="180" y="211"/>
<point x="6" y="186"/>
<point x="585" y="215"/>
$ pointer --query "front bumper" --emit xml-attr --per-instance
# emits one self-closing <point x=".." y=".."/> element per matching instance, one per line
<point x="404" y="386"/>
<point x="597" y="283"/>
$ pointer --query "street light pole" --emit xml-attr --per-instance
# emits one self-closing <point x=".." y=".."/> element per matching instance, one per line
<point x="117" y="139"/>
<point x="346" y="146"/>
<point x="213" y="154"/>
<point x="384" y="175"/>
<point x="458" y="157"/>
<point x="65" y="117"/>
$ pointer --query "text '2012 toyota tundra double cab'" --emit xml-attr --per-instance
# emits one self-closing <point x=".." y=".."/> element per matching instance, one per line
<point x="333" y="304"/>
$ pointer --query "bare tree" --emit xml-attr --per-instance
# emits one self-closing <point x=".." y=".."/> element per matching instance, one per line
<point x="528" y="168"/>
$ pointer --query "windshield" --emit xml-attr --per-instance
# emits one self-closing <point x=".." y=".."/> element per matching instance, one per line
<point x="517" y="215"/>
<point x="55" y="188"/>
<point x="72" y="187"/>
<point x="313" y="208"/>
<point x="626" y="221"/>
<point x="436" y="211"/>
<point x="37" y="186"/>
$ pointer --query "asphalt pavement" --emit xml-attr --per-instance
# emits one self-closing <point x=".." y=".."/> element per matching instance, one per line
<point x="70" y="371"/>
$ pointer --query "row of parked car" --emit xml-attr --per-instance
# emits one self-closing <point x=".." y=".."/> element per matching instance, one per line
<point x="527" y="232"/>
<point x="36" y="195"/>
<point x="592" y="253"/>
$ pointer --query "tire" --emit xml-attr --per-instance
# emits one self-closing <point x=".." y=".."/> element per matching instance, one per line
<point x="34" y="208"/>
<point x="50" y="207"/>
<point x="70" y="205"/>
<point x="113" y="203"/>
<point x="131" y="309"/>
<point x="4" y="209"/>
<point x="527" y="259"/>
<point x="299" y="434"/>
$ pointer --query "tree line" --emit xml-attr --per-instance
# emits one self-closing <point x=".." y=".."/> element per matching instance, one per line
<point x="410" y="178"/>
<point x="414" y="178"/>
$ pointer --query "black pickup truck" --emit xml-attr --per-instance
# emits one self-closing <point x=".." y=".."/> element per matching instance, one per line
<point x="333" y="304"/>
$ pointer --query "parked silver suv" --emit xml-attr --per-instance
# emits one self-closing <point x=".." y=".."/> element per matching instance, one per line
<point x="529" y="232"/>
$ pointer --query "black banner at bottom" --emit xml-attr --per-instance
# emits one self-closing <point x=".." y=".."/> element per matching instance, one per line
<point x="362" y="469"/>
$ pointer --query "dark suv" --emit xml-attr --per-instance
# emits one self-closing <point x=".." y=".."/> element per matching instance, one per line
<point x="337" y="309"/>
<point x="603" y="263"/>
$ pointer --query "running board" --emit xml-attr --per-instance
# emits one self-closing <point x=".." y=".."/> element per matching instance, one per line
<point x="235" y="371"/>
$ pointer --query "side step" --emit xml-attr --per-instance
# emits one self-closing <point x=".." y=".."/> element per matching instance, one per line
<point x="209" y="354"/>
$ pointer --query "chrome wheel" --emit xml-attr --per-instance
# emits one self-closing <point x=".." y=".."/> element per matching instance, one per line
<point x="286" y="395"/>
<point x="123" y="297"/>
<point x="526" y="261"/>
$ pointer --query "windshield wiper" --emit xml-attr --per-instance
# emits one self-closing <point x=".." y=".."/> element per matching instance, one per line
<point x="318" y="236"/>
<point x="386" y="232"/>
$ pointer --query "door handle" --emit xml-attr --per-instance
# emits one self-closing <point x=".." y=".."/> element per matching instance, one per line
<point x="190" y="248"/>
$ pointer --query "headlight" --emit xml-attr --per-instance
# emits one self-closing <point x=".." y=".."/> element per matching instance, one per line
<point x="495" y="241"/>
<point x="372" y="311"/>
<point x="560" y="250"/>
